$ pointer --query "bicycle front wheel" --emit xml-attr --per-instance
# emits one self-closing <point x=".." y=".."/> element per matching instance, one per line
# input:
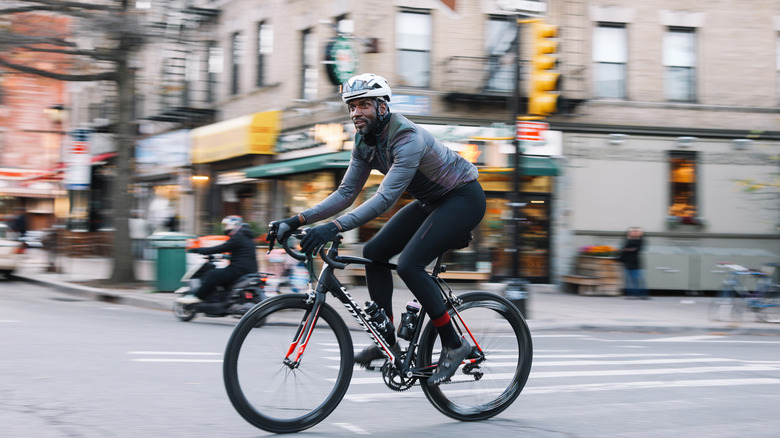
<point x="482" y="390"/>
<point x="267" y="389"/>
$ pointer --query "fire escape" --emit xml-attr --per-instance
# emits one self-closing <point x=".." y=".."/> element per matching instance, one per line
<point x="183" y="90"/>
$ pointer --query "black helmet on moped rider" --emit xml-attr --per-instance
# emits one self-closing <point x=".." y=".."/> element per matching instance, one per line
<point x="229" y="223"/>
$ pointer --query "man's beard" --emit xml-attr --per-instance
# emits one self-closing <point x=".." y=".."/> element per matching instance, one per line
<point x="368" y="127"/>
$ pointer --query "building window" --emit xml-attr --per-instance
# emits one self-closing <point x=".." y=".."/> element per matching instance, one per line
<point x="308" y="65"/>
<point x="236" y="53"/>
<point x="777" y="62"/>
<point x="610" y="55"/>
<point x="265" y="47"/>
<point x="683" y="206"/>
<point x="215" y="60"/>
<point x="501" y="52"/>
<point x="680" y="64"/>
<point x="413" y="41"/>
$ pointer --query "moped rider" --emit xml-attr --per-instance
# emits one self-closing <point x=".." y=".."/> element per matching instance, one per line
<point x="243" y="260"/>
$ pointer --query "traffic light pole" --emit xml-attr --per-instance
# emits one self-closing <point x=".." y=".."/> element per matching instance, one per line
<point x="516" y="287"/>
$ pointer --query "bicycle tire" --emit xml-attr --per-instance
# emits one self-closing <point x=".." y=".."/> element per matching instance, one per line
<point x="727" y="306"/>
<point x="504" y="337"/>
<point x="769" y="310"/>
<point x="265" y="391"/>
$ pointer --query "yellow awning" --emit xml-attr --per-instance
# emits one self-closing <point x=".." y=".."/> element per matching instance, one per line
<point x="251" y="134"/>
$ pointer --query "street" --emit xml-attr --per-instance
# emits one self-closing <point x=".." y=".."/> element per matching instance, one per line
<point x="79" y="368"/>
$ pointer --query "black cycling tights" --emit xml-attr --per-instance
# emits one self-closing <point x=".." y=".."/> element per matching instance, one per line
<point x="420" y="233"/>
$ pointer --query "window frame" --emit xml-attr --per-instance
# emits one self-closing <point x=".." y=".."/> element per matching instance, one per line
<point x="236" y="53"/>
<point x="673" y="68"/>
<point x="263" y="33"/>
<point x="308" y="65"/>
<point x="675" y="188"/>
<point x="501" y="79"/>
<point x="402" y="49"/>
<point x="622" y="93"/>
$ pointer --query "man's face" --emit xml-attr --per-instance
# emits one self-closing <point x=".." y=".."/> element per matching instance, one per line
<point x="363" y="113"/>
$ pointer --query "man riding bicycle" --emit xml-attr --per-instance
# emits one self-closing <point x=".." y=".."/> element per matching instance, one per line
<point x="449" y="203"/>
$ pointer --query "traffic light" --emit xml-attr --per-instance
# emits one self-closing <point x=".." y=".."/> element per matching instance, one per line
<point x="543" y="97"/>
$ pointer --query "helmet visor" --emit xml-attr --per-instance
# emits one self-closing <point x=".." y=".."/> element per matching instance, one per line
<point x="352" y="86"/>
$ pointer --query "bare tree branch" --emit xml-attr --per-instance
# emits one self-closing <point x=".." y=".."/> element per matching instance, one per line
<point x="105" y="76"/>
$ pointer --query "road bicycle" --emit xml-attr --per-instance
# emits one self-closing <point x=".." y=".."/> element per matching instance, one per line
<point x="735" y="297"/>
<point x="289" y="360"/>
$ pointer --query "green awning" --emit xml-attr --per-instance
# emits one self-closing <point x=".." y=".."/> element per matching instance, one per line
<point x="338" y="160"/>
<point x="531" y="165"/>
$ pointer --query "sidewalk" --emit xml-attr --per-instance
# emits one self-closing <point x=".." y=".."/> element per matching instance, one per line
<point x="546" y="308"/>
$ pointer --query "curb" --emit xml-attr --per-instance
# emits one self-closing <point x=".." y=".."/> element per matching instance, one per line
<point x="132" y="298"/>
<point x="129" y="298"/>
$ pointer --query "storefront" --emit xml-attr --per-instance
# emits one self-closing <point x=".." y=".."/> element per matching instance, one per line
<point x="220" y="153"/>
<point x="298" y="183"/>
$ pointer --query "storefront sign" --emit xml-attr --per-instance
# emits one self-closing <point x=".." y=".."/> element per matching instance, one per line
<point x="78" y="160"/>
<point x="342" y="60"/>
<point x="160" y="153"/>
<point x="333" y="135"/>
<point x="531" y="131"/>
<point x="246" y="135"/>
<point x="407" y="104"/>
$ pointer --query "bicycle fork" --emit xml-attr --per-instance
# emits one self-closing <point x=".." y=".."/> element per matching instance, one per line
<point x="303" y="334"/>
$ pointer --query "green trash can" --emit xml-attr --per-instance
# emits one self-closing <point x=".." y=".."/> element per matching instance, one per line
<point x="171" y="259"/>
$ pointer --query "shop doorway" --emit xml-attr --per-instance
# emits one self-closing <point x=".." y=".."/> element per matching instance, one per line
<point x="497" y="242"/>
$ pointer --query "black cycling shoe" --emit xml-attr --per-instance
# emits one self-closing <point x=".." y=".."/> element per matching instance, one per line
<point x="449" y="360"/>
<point x="372" y="353"/>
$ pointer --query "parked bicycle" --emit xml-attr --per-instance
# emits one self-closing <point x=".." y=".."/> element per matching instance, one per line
<point x="289" y="361"/>
<point x="735" y="297"/>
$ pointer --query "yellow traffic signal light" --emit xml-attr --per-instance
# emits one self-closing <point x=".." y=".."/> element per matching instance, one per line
<point x="543" y="97"/>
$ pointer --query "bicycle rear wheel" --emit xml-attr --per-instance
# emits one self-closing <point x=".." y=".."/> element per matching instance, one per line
<point x="273" y="395"/>
<point x="769" y="310"/>
<point x="483" y="391"/>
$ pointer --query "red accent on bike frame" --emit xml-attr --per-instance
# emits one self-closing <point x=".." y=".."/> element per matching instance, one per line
<point x="471" y="335"/>
<point x="295" y="341"/>
<point x="308" y="336"/>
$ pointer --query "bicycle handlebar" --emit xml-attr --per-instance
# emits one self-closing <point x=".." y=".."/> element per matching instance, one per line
<point x="323" y="253"/>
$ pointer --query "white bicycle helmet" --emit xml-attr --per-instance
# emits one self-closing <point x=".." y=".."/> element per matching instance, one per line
<point x="365" y="85"/>
<point x="231" y="222"/>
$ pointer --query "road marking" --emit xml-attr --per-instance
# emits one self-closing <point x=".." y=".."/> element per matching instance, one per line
<point x="710" y="339"/>
<point x="655" y="371"/>
<point x="179" y="360"/>
<point x="610" y="355"/>
<point x="628" y="362"/>
<point x="617" y="386"/>
<point x="174" y="359"/>
<point x="586" y="387"/>
<point x="352" y="428"/>
<point x="176" y="353"/>
<point x="8" y="320"/>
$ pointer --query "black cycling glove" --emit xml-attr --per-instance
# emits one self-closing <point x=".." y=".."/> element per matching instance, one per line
<point x="318" y="236"/>
<point x="284" y="227"/>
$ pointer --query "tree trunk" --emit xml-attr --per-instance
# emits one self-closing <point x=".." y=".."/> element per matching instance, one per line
<point x="124" y="266"/>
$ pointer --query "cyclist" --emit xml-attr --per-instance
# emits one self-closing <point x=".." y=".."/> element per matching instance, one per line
<point x="243" y="259"/>
<point x="449" y="203"/>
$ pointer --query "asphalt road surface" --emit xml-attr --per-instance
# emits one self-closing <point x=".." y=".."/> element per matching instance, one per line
<point x="79" y="368"/>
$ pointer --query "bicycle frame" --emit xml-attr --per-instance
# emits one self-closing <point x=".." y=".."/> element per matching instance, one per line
<point x="328" y="282"/>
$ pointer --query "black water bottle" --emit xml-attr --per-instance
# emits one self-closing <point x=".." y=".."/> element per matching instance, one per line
<point x="381" y="322"/>
<point x="409" y="320"/>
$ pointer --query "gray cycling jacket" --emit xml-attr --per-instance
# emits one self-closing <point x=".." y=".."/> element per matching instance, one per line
<point x="411" y="159"/>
